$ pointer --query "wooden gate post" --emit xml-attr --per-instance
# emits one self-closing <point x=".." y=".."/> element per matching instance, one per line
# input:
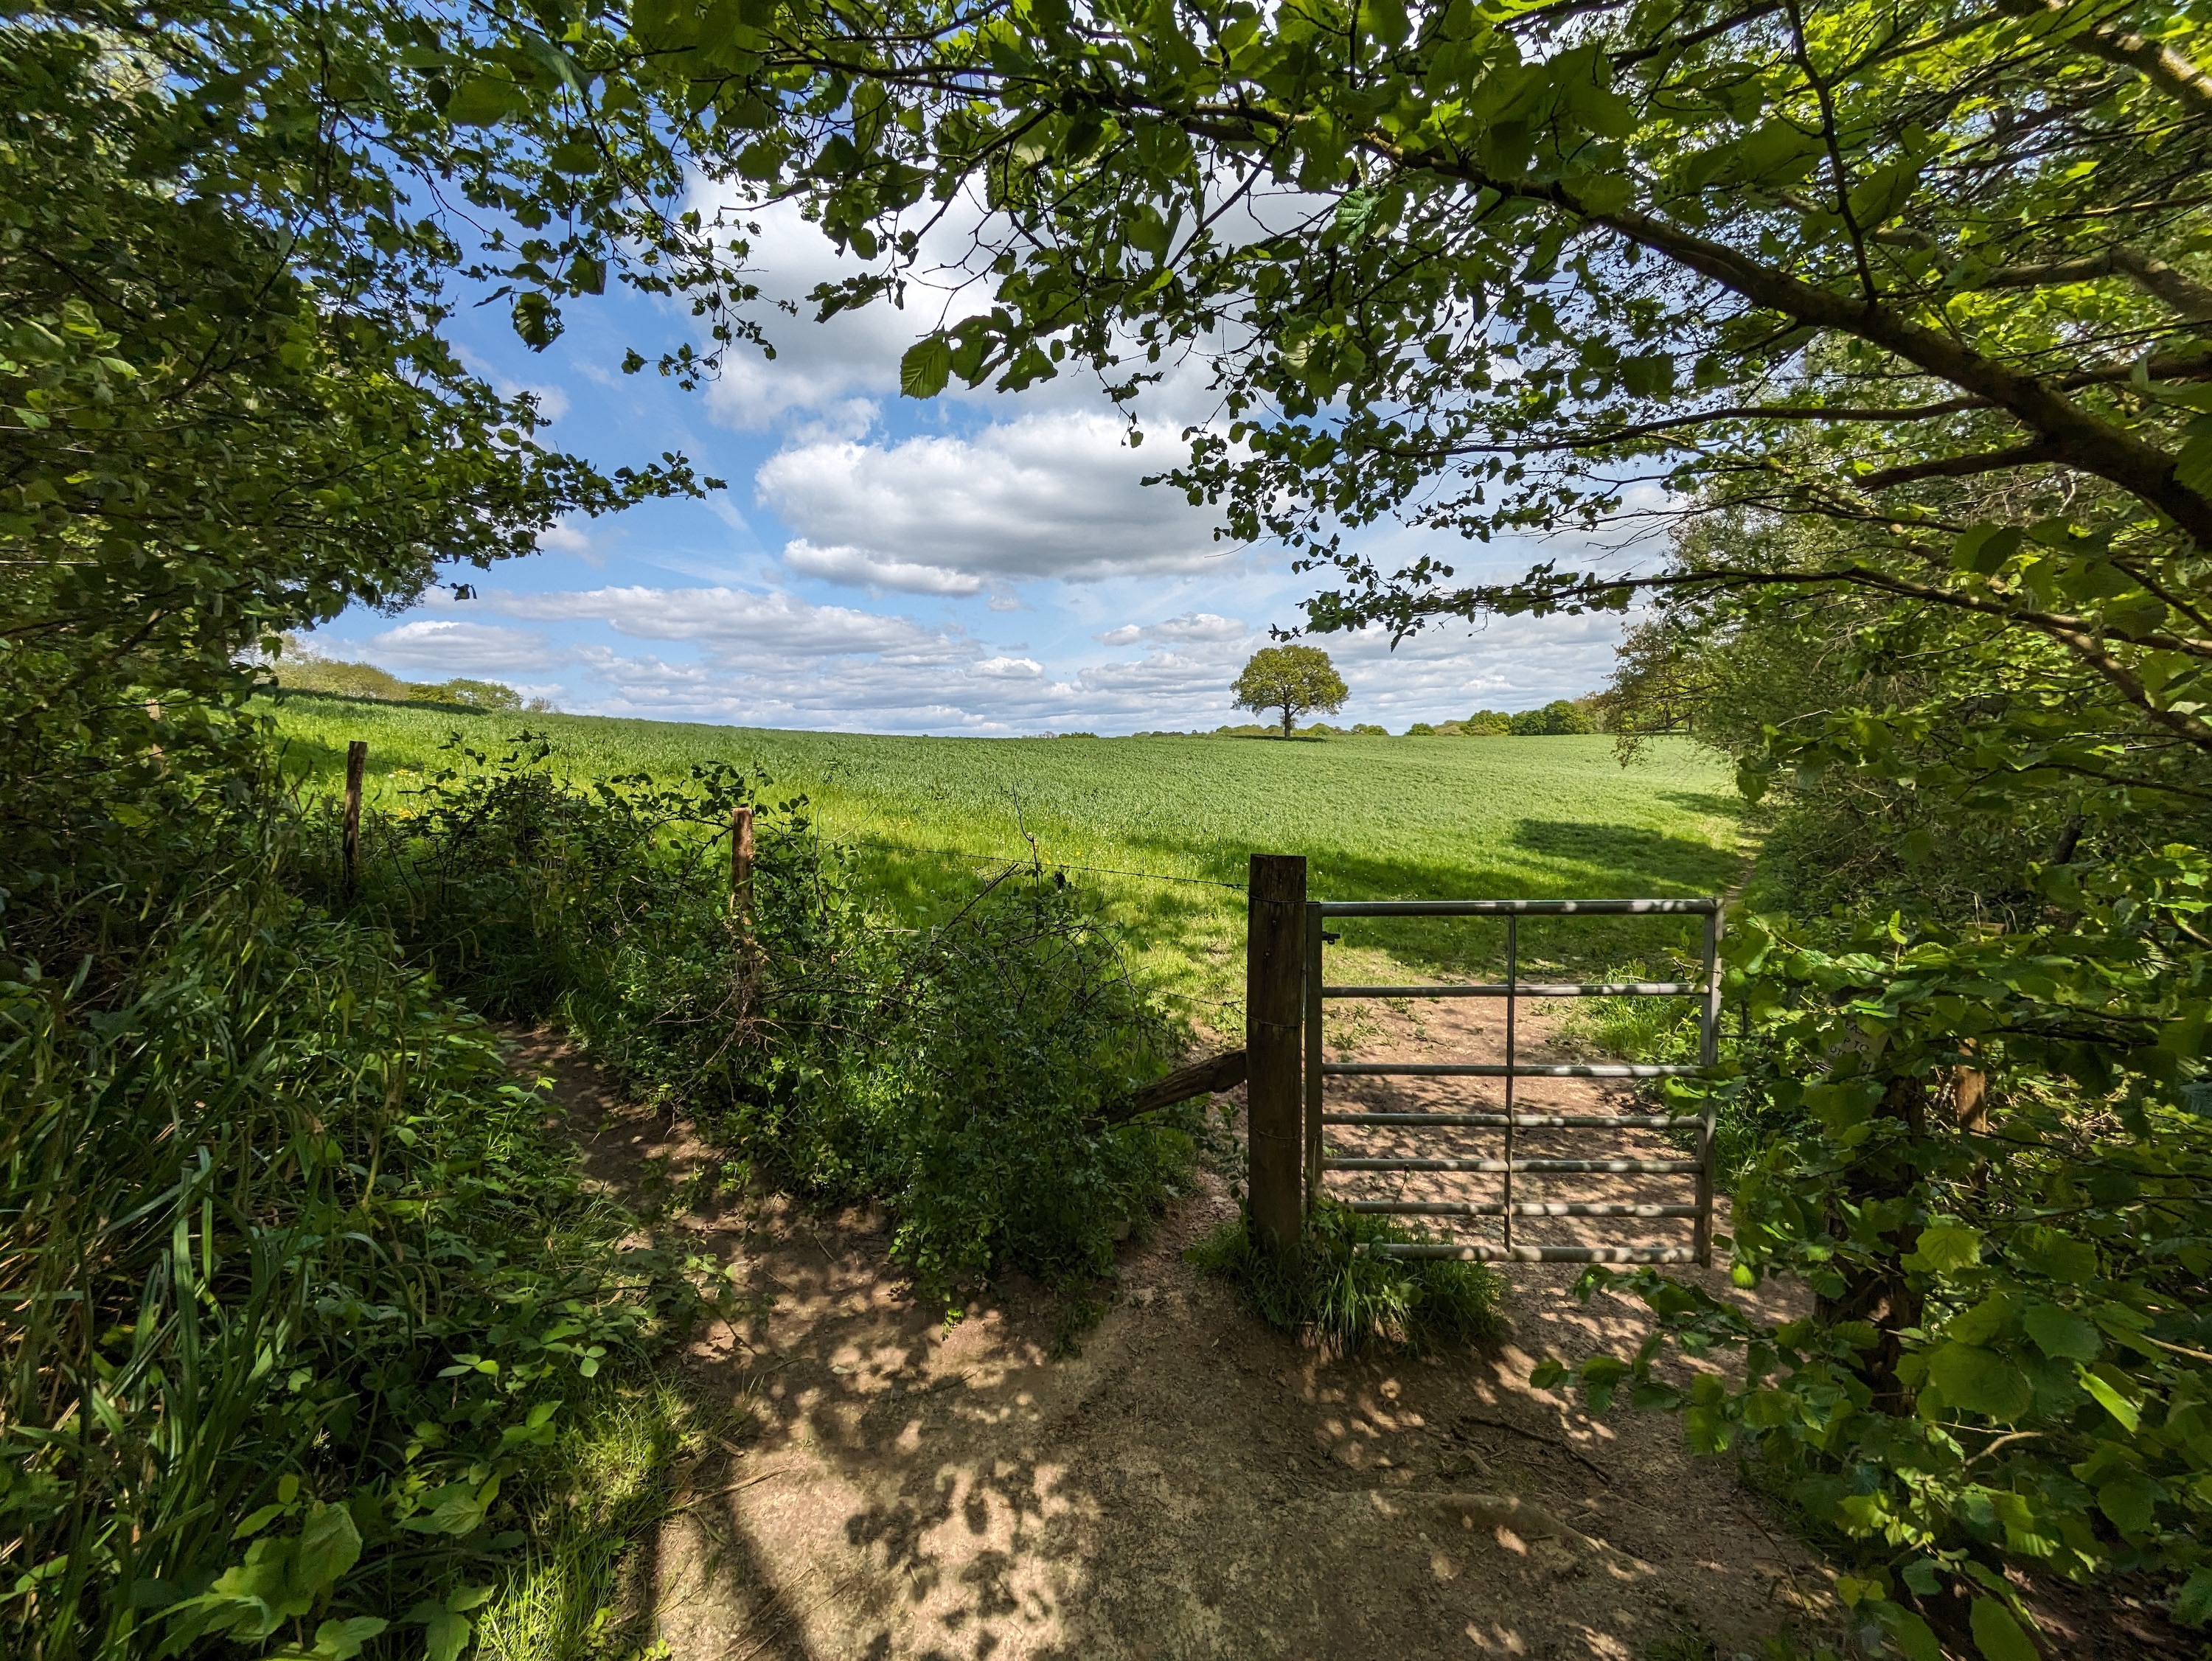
<point x="1274" y="975"/>
<point x="356" y="764"/>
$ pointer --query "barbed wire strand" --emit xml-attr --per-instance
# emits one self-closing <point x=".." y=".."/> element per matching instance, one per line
<point x="1051" y="864"/>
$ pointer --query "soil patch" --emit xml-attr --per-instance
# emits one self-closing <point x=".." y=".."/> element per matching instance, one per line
<point x="1189" y="1484"/>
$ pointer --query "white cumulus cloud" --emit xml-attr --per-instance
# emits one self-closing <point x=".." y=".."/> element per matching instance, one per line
<point x="1050" y="495"/>
<point x="864" y="570"/>
<point x="1191" y="628"/>
<point x="452" y="648"/>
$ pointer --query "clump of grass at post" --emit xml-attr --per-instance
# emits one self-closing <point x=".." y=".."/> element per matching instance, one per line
<point x="1335" y="1292"/>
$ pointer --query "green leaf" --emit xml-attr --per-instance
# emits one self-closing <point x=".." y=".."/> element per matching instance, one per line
<point x="1946" y="1246"/>
<point x="925" y="367"/>
<point x="447" y="1632"/>
<point x="2113" y="1403"/>
<point x="329" y="1544"/>
<point x="2193" y="466"/>
<point x="2132" y="1502"/>
<point x="1980" y="1381"/>
<point x="483" y="100"/>
<point x="2193" y="1604"/>
<point x="1998" y="1635"/>
<point x="2061" y="1334"/>
<point x="1984" y="549"/>
<point x="1912" y="1634"/>
<point x="2059" y="1255"/>
<point x="341" y="1640"/>
<point x="256" y="1521"/>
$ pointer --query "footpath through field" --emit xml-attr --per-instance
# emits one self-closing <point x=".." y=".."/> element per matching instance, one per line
<point x="1190" y="1485"/>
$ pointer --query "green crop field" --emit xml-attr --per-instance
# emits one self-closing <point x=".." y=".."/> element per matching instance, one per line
<point x="1156" y="826"/>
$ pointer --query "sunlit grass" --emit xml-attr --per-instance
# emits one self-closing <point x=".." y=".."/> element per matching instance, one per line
<point x="587" y="1589"/>
<point x="1375" y="818"/>
<point x="1334" y="1292"/>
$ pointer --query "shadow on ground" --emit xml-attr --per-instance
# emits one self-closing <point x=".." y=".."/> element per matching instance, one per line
<point x="1190" y="1485"/>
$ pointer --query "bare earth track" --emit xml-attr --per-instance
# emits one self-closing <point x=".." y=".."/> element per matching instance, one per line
<point x="1191" y="1484"/>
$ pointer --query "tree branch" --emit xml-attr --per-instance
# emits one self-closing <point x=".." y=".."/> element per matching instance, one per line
<point x="1963" y="467"/>
<point x="2165" y="69"/>
<point x="2192" y="298"/>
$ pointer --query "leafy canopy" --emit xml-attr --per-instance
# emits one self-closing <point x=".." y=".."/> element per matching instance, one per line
<point x="1294" y="678"/>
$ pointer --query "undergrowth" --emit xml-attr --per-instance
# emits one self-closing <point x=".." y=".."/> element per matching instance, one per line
<point x="963" y="1076"/>
<point x="302" y="1297"/>
<point x="1333" y="1291"/>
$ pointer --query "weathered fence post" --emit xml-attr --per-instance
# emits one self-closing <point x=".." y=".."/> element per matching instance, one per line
<point x="356" y="765"/>
<point x="1274" y="977"/>
<point x="1709" y="1055"/>
<point x="741" y="865"/>
<point x="741" y="907"/>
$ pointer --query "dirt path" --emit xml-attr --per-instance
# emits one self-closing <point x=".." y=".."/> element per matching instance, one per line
<point x="1191" y="1485"/>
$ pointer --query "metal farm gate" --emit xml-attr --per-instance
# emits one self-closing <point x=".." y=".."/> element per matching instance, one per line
<point x="1508" y="1163"/>
<point x="1289" y="1114"/>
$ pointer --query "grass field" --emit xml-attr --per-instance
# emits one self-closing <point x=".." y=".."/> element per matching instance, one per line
<point x="1157" y="826"/>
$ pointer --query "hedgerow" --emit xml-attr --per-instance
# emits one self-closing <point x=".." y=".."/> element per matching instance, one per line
<point x="963" y="1075"/>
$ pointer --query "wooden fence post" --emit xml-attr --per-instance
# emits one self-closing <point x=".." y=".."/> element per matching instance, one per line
<point x="356" y="765"/>
<point x="741" y="865"/>
<point x="1274" y="976"/>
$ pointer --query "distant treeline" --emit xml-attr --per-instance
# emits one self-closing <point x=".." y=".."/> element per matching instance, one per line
<point x="337" y="678"/>
<point x="1562" y="715"/>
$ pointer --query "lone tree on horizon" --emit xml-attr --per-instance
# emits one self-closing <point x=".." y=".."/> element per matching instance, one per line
<point x="1296" y="679"/>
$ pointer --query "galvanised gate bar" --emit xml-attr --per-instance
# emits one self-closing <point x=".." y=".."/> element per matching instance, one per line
<point x="1510" y="1164"/>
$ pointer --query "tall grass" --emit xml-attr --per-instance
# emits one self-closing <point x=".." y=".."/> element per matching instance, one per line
<point x="1335" y="1291"/>
<point x="296" y="1289"/>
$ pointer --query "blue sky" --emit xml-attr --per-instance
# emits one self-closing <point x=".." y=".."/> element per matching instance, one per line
<point x="981" y="563"/>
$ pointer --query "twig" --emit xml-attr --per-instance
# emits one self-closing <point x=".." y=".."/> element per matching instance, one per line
<point x="1538" y="1436"/>
<point x="700" y="1499"/>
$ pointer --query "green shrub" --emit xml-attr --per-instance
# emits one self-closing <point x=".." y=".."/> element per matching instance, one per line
<point x="1487" y="724"/>
<point x="960" y="1075"/>
<point x="1335" y="1292"/>
<point x="302" y="670"/>
<point x="1420" y="730"/>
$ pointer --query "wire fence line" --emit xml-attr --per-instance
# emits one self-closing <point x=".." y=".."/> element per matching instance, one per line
<point x="1049" y="864"/>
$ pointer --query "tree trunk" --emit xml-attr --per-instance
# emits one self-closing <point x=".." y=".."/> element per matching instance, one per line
<point x="1286" y="720"/>
<point x="1877" y="1292"/>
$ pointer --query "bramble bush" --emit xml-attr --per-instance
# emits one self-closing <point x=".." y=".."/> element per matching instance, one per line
<point x="961" y="1075"/>
<point x="2009" y="1362"/>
